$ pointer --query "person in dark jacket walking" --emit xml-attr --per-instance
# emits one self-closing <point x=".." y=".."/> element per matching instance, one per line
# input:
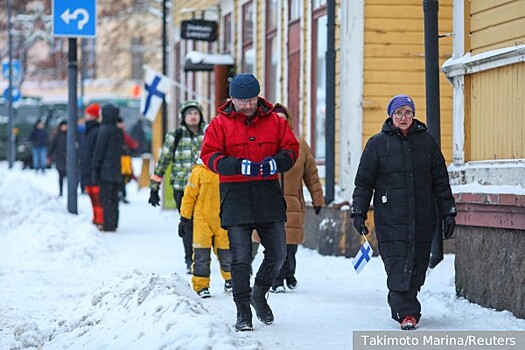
<point x="404" y="169"/>
<point x="247" y="144"/>
<point x="58" y="153"/>
<point x="38" y="139"/>
<point x="86" y="158"/>
<point x="106" y="171"/>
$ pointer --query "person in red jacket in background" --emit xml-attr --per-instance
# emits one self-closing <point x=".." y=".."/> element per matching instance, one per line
<point x="247" y="144"/>
<point x="86" y="157"/>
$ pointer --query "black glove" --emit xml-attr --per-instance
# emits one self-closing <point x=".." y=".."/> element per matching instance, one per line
<point x="317" y="210"/>
<point x="449" y="223"/>
<point x="185" y="226"/>
<point x="359" y="225"/>
<point x="154" y="198"/>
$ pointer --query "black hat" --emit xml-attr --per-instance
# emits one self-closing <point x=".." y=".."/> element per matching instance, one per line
<point x="110" y="112"/>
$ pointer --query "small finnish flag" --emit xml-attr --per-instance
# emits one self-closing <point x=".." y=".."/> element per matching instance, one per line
<point x="363" y="256"/>
<point x="156" y="87"/>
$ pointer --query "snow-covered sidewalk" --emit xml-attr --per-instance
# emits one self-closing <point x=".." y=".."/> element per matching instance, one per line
<point x="64" y="285"/>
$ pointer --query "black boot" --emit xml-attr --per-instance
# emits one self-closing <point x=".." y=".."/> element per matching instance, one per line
<point x="244" y="317"/>
<point x="262" y="309"/>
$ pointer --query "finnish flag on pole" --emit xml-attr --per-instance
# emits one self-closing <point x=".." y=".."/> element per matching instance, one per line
<point x="156" y="87"/>
<point x="362" y="257"/>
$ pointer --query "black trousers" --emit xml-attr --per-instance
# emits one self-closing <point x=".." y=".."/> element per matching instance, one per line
<point x="273" y="239"/>
<point x="110" y="200"/>
<point x="61" y="177"/>
<point x="288" y="269"/>
<point x="403" y="304"/>
<point x="187" y="240"/>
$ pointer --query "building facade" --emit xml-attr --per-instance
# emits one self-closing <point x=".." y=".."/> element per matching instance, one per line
<point x="487" y="72"/>
<point x="379" y="52"/>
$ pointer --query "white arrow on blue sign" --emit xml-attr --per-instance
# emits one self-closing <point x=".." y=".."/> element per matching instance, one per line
<point x="75" y="18"/>
<point x="15" y="94"/>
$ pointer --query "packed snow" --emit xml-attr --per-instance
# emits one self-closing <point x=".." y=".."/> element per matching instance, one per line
<point x="65" y="285"/>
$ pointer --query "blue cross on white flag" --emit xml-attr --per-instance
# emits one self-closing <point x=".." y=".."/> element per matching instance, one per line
<point x="156" y="87"/>
<point x="362" y="257"/>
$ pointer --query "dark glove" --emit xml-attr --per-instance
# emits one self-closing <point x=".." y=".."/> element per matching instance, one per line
<point x="449" y="223"/>
<point x="185" y="227"/>
<point x="268" y="167"/>
<point x="249" y="168"/>
<point x="317" y="210"/>
<point x="154" y="198"/>
<point x="359" y="225"/>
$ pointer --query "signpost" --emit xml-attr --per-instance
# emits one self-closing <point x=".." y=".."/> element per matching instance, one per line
<point x="73" y="19"/>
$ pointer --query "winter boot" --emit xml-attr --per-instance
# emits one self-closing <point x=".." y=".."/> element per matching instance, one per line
<point x="291" y="283"/>
<point x="244" y="317"/>
<point x="204" y="293"/>
<point x="228" y="286"/>
<point x="409" y="323"/>
<point x="277" y="288"/>
<point x="262" y="309"/>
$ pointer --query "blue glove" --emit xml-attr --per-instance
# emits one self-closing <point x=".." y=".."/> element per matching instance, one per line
<point x="268" y="167"/>
<point x="249" y="168"/>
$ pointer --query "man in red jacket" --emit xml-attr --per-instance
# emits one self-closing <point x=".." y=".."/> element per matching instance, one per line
<point x="247" y="144"/>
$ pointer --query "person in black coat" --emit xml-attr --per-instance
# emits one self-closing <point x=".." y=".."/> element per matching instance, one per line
<point x="58" y="153"/>
<point x="405" y="171"/>
<point x="86" y="158"/>
<point x="106" y="171"/>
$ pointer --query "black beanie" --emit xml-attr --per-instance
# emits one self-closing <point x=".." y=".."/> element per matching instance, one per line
<point x="110" y="113"/>
<point x="244" y="86"/>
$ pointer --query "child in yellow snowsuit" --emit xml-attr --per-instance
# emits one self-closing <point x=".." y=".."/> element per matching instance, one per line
<point x="200" y="208"/>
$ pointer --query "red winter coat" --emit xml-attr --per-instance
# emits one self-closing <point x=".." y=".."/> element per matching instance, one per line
<point x="229" y="139"/>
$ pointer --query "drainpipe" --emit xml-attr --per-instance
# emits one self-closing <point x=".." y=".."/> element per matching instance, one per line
<point x="330" y="104"/>
<point x="432" y="69"/>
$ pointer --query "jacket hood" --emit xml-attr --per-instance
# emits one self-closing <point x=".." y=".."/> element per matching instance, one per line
<point x="389" y="128"/>
<point x="189" y="104"/>
<point x="110" y="114"/>
<point x="263" y="108"/>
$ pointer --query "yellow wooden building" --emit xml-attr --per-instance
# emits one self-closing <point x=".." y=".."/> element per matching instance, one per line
<point x="487" y="72"/>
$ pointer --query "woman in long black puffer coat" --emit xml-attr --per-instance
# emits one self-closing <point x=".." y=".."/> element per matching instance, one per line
<point x="106" y="170"/>
<point x="404" y="169"/>
<point x="58" y="153"/>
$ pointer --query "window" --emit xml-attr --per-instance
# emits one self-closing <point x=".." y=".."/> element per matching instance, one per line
<point x="295" y="10"/>
<point x="227" y="36"/>
<point x="248" y="51"/>
<point x="318" y="4"/>
<point x="272" y="51"/>
<point x="89" y="59"/>
<point x="319" y="47"/>
<point x="137" y="58"/>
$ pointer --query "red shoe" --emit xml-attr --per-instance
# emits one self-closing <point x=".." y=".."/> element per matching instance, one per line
<point x="409" y="323"/>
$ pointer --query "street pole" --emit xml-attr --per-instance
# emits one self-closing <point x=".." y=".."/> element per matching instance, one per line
<point x="430" y="9"/>
<point x="330" y="104"/>
<point x="164" y="63"/>
<point x="10" y="123"/>
<point x="71" y="164"/>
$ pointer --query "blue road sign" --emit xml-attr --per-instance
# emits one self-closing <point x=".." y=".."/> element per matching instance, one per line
<point x="15" y="94"/>
<point x="75" y="18"/>
<point x="16" y="68"/>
